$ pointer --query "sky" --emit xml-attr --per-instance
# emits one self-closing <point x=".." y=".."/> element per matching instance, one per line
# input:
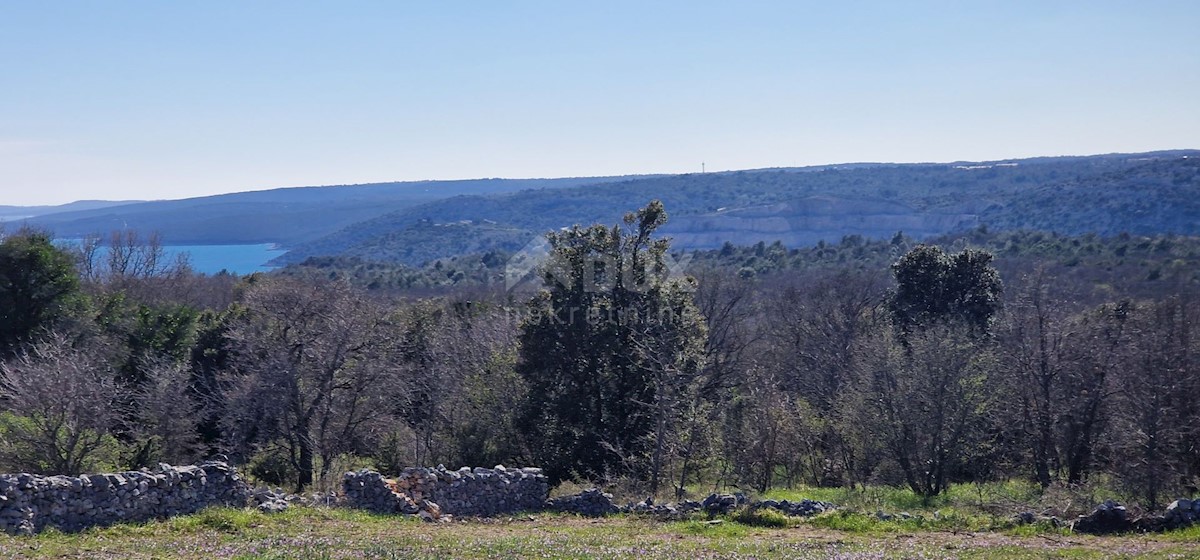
<point x="123" y="100"/>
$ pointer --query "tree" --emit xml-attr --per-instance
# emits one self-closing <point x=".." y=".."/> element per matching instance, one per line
<point x="933" y="286"/>
<point x="1156" y="423"/>
<point x="61" y="404"/>
<point x="313" y="363"/>
<point x="928" y="401"/>
<point x="37" y="287"/>
<point x="607" y="351"/>
<point x="1095" y="348"/>
<point x="1035" y="347"/>
<point x="165" y="415"/>
<point x="816" y="328"/>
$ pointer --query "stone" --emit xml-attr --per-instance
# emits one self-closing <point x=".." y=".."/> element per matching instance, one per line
<point x="719" y="503"/>
<point x="1179" y="506"/>
<point x="465" y="491"/>
<point x="275" y="506"/>
<point x="31" y="503"/>
<point x="1109" y="517"/>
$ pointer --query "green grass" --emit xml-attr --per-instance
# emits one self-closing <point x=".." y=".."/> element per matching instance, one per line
<point x="895" y="499"/>
<point x="764" y="518"/>
<point x="325" y="534"/>
<point x="713" y="529"/>
<point x="866" y="523"/>
<point x="1188" y="535"/>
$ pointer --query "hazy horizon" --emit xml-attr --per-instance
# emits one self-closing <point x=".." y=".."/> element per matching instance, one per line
<point x="151" y="101"/>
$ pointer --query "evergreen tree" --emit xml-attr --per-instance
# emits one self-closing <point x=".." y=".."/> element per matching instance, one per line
<point x="609" y="346"/>
<point x="933" y="286"/>
<point x="37" y="284"/>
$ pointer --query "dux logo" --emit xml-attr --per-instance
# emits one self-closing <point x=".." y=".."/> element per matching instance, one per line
<point x="527" y="270"/>
<point x="522" y="272"/>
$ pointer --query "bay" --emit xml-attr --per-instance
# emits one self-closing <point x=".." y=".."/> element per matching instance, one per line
<point x="237" y="259"/>
<point x="213" y="259"/>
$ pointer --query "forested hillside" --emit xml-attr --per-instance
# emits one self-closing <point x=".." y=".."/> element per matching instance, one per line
<point x="1091" y="267"/>
<point x="284" y="216"/>
<point x="1107" y="195"/>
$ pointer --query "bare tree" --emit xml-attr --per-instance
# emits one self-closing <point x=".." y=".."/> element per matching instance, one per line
<point x="1155" y="424"/>
<point x="165" y="416"/>
<point x="1033" y="342"/>
<point x="61" y="404"/>
<point x="816" y="326"/>
<point x="313" y="365"/>
<point x="1093" y="354"/>
<point x="928" y="400"/>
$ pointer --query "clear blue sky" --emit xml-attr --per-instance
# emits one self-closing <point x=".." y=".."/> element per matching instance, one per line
<point x="147" y="100"/>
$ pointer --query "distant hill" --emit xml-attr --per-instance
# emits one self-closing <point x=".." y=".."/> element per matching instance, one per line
<point x="416" y="222"/>
<point x="18" y="213"/>
<point x="1108" y="194"/>
<point x="285" y="216"/>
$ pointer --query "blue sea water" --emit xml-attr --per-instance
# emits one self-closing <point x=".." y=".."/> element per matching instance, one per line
<point x="238" y="259"/>
<point x="212" y="259"/>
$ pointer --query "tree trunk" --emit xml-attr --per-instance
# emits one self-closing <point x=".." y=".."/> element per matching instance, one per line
<point x="305" y="478"/>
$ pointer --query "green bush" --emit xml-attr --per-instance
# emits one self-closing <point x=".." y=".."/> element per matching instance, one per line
<point x="272" y="465"/>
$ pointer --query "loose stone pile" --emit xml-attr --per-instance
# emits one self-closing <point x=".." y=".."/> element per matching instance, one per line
<point x="594" y="503"/>
<point x="30" y="503"/>
<point x="720" y="504"/>
<point x="1183" y="512"/>
<point x="437" y="491"/>
<point x="803" y="508"/>
<point x="1111" y="517"/>
<point x="668" y="511"/>
<point x="269" y="501"/>
<point x="589" y="503"/>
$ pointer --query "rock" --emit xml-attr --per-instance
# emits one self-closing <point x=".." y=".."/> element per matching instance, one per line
<point x="716" y="504"/>
<point x="277" y="506"/>
<point x="802" y="508"/>
<point x="1109" y="517"/>
<point x="1181" y="513"/>
<point x="589" y="503"/>
<point x="431" y="507"/>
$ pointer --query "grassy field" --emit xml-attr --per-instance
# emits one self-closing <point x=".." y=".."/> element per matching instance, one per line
<point x="307" y="533"/>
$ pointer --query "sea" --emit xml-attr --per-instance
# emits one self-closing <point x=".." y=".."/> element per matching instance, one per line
<point x="236" y="259"/>
<point x="214" y="259"/>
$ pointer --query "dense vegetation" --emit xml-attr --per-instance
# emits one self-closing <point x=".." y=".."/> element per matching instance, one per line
<point x="986" y="356"/>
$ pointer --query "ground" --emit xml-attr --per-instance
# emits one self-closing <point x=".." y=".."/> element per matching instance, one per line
<point x="333" y="534"/>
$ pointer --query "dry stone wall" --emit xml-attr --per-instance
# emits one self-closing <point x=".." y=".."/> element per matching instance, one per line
<point x="30" y="503"/>
<point x="466" y="491"/>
